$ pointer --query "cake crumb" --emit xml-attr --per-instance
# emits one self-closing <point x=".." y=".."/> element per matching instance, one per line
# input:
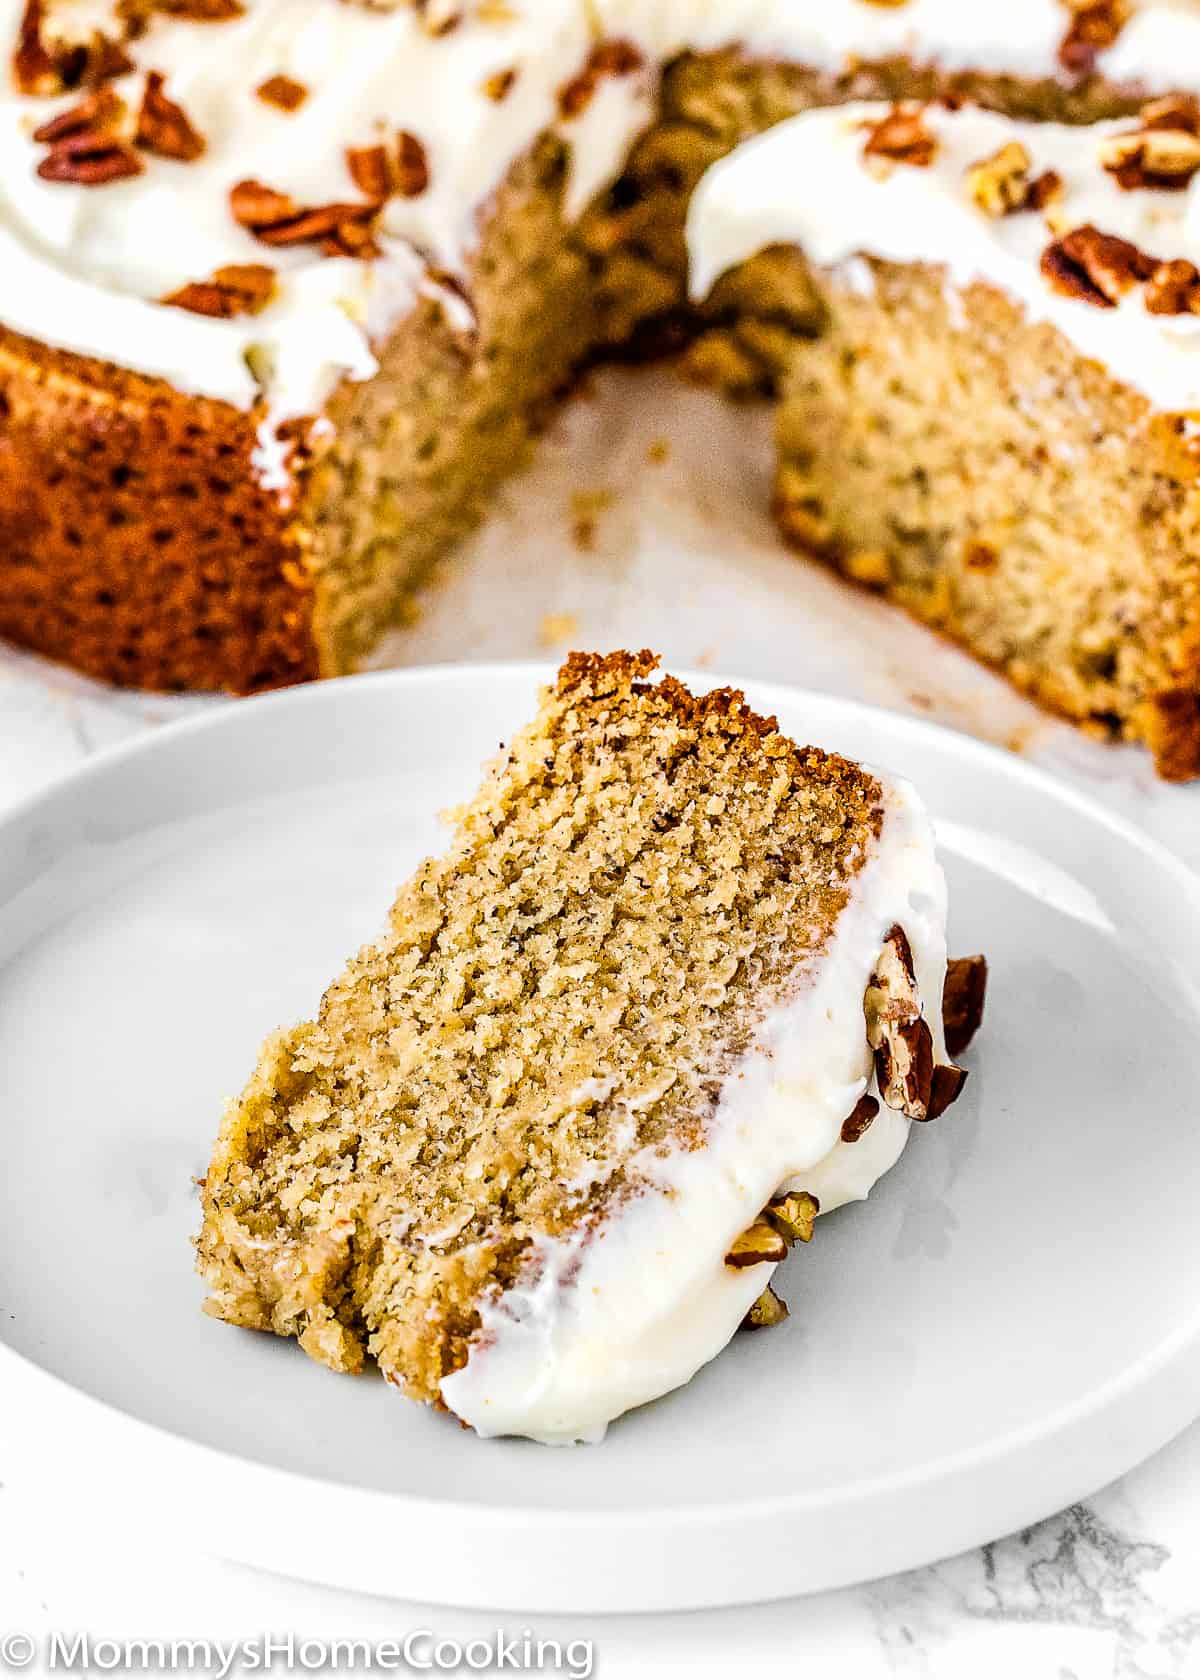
<point x="586" y="508"/>
<point x="557" y="629"/>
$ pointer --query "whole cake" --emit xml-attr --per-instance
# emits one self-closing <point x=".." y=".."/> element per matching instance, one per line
<point x="676" y="986"/>
<point x="290" y="285"/>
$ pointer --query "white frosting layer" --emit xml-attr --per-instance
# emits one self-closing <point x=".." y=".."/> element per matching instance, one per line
<point x="1160" y="45"/>
<point x="84" y="266"/>
<point x="632" y="1311"/>
<point x="753" y="199"/>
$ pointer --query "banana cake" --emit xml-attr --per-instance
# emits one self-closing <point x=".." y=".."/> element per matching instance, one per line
<point x="291" y="284"/>
<point x="675" y="988"/>
<point x="997" y="424"/>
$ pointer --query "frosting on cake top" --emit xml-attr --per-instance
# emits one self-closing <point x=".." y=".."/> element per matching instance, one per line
<point x="124" y="130"/>
<point x="1089" y="229"/>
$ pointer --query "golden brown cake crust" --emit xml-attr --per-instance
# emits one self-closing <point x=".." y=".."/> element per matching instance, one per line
<point x="136" y="543"/>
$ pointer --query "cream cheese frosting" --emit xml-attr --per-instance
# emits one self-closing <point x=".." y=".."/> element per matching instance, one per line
<point x="928" y="215"/>
<point x="85" y="266"/>
<point x="614" y="1318"/>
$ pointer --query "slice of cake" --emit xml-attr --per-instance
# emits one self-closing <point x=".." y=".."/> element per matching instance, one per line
<point x="676" y="985"/>
<point x="997" y="426"/>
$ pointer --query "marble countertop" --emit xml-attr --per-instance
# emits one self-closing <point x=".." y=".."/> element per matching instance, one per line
<point x="642" y="523"/>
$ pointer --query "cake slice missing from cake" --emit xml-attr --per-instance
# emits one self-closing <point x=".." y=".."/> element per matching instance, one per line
<point x="676" y="984"/>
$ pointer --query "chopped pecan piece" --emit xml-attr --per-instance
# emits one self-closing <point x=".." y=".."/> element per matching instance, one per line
<point x="946" y="1086"/>
<point x="87" y="142"/>
<point x="380" y="171"/>
<point x="859" y="1119"/>
<point x="607" y="58"/>
<point x="901" y="137"/>
<point x="412" y="165"/>
<point x="1094" y="27"/>
<point x="1044" y="189"/>
<point x="239" y="289"/>
<point x="793" y="1215"/>
<point x="200" y="11"/>
<point x="284" y="92"/>
<point x="1000" y="184"/>
<point x="1176" y="110"/>
<point x="767" y="1311"/>
<point x="962" y="1001"/>
<point x="1173" y="289"/>
<point x="340" y="229"/>
<point x="1161" y="158"/>
<point x="370" y="170"/>
<point x="761" y="1245"/>
<point x="255" y="205"/>
<point x="896" y="1030"/>
<point x="439" y="17"/>
<point x="1096" y="267"/>
<point x="46" y="62"/>
<point x="500" y="85"/>
<point x="163" y="127"/>
<point x="34" y="70"/>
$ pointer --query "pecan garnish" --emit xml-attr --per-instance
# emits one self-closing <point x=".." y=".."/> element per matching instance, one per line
<point x="284" y="92"/>
<point x="947" y="1084"/>
<point x="859" y="1119"/>
<point x="44" y="63"/>
<point x="200" y="11"/>
<point x="412" y="165"/>
<point x="500" y="85"/>
<point x="1095" y="267"/>
<point x="163" y="127"/>
<point x="239" y="289"/>
<point x="761" y="1245"/>
<point x="1174" y="110"/>
<point x="341" y="230"/>
<point x="87" y="142"/>
<point x="1173" y="289"/>
<point x="439" y="17"/>
<point x="1158" y="157"/>
<point x="34" y="70"/>
<point x="786" y="1219"/>
<point x="380" y="171"/>
<point x="896" y="1030"/>
<point x="793" y="1215"/>
<point x="963" y="998"/>
<point x="767" y="1311"/>
<point x="1001" y="184"/>
<point x="1044" y="189"/>
<point x="1094" y="27"/>
<point x="901" y="137"/>
<point x="370" y="170"/>
<point x="617" y="57"/>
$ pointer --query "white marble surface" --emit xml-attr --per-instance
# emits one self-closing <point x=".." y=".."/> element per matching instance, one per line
<point x="678" y="554"/>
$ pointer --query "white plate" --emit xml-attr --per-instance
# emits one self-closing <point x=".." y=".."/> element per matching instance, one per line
<point x="1013" y="1320"/>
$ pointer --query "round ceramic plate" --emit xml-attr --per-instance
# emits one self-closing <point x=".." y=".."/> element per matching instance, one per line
<point x="1012" y="1320"/>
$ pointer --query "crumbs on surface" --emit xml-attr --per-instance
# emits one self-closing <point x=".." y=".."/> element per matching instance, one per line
<point x="557" y="629"/>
